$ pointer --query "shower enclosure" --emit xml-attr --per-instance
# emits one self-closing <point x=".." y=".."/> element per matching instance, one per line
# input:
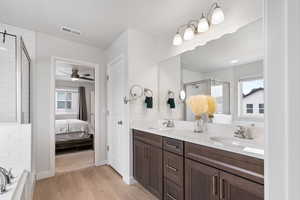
<point x="218" y="89"/>
<point x="14" y="79"/>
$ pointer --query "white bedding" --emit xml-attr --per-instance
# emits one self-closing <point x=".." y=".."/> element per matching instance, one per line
<point x="70" y="125"/>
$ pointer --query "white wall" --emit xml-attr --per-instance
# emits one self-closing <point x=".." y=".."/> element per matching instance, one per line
<point x="46" y="47"/>
<point x="189" y="76"/>
<point x="282" y="99"/>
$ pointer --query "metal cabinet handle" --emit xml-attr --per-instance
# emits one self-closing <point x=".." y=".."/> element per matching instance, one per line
<point x="222" y="189"/>
<point x="172" y="145"/>
<point x="172" y="168"/>
<point x="171" y="197"/>
<point x="214" y="184"/>
<point x="120" y="122"/>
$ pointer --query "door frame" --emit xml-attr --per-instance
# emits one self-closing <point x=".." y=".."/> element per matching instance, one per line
<point x="120" y="57"/>
<point x="97" y="134"/>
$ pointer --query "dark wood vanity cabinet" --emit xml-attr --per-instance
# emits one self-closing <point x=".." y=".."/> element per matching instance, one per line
<point x="141" y="162"/>
<point x="148" y="163"/>
<point x="204" y="182"/>
<point x="237" y="188"/>
<point x="176" y="170"/>
<point x="201" y="181"/>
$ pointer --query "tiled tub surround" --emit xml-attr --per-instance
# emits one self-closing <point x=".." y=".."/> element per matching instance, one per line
<point x="183" y="131"/>
<point x="15" y="154"/>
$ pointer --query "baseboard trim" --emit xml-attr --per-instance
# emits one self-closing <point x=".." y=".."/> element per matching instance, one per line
<point x="129" y="180"/>
<point x="44" y="174"/>
<point x="100" y="163"/>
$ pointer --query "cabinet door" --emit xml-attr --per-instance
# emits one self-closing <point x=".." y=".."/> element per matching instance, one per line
<point x="201" y="181"/>
<point x="141" y="163"/>
<point x="237" y="188"/>
<point x="155" y="184"/>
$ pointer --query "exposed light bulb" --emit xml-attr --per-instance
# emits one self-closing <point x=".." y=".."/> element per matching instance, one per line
<point x="177" y="39"/>
<point x="217" y="15"/>
<point x="75" y="79"/>
<point x="234" y="61"/>
<point x="203" y="25"/>
<point x="189" y="33"/>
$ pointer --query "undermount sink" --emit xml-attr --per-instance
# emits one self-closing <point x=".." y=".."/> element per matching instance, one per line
<point x="243" y="144"/>
<point x="159" y="128"/>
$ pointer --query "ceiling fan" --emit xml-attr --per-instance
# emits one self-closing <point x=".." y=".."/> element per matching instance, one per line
<point x="76" y="76"/>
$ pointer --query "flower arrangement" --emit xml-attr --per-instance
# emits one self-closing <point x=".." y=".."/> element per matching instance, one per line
<point x="202" y="104"/>
<point x="203" y="108"/>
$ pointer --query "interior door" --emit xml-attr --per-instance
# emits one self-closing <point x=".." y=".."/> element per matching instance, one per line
<point x="116" y="109"/>
<point x="201" y="181"/>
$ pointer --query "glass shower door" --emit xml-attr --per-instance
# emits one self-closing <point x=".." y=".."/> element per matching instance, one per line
<point x="25" y="84"/>
<point x="8" y="79"/>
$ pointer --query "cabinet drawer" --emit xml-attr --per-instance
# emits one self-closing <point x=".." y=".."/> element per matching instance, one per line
<point x="172" y="191"/>
<point x="172" y="145"/>
<point x="173" y="167"/>
<point x="148" y="138"/>
<point x="242" y="165"/>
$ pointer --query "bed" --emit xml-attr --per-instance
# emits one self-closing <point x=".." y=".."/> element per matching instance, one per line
<point x="72" y="135"/>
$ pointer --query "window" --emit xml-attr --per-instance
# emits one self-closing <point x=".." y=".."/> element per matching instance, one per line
<point x="251" y="98"/>
<point x="220" y="90"/>
<point x="261" y="108"/>
<point x="249" y="108"/>
<point x="67" y="101"/>
<point x="217" y="92"/>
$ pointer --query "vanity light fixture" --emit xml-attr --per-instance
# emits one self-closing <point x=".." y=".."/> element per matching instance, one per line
<point x="177" y="39"/>
<point x="203" y="24"/>
<point x="188" y="31"/>
<point x="217" y="15"/>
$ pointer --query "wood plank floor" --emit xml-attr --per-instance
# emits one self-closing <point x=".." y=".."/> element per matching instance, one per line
<point x="95" y="183"/>
<point x="74" y="161"/>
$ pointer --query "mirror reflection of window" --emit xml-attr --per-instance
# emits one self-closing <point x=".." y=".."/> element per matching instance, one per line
<point x="251" y="98"/>
<point x="221" y="91"/>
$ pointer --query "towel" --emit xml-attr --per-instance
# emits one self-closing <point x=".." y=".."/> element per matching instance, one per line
<point x="171" y="102"/>
<point x="149" y="102"/>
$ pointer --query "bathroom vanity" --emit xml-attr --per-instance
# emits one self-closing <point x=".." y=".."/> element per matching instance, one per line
<point x="179" y="164"/>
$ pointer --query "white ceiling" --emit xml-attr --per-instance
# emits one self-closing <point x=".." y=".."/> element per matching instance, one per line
<point x="64" y="71"/>
<point x="101" y="21"/>
<point x="246" y="45"/>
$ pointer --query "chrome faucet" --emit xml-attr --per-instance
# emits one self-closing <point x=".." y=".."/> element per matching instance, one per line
<point x="243" y="133"/>
<point x="169" y="123"/>
<point x="6" y="178"/>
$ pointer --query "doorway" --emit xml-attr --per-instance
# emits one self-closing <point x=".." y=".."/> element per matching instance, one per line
<point x="74" y="116"/>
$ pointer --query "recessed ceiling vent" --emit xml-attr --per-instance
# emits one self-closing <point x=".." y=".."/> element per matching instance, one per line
<point x="70" y="30"/>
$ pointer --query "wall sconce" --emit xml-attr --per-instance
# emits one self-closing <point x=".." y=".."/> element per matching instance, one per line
<point x="214" y="16"/>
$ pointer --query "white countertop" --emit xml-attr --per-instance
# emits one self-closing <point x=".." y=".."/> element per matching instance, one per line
<point x="254" y="148"/>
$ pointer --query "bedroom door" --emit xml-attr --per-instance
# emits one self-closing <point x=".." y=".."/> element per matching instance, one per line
<point x="116" y="112"/>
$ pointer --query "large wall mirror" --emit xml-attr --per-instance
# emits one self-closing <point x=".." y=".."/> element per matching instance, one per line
<point x="230" y="69"/>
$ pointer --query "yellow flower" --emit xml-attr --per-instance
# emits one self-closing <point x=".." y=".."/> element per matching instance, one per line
<point x="212" y="105"/>
<point x="198" y="104"/>
<point x="201" y="104"/>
